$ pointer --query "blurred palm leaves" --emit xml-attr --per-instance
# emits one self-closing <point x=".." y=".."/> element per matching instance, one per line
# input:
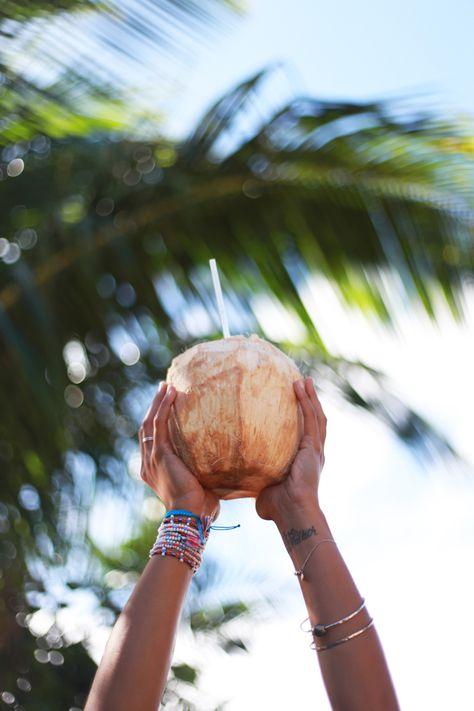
<point x="70" y="67"/>
<point x="104" y="271"/>
<point x="107" y="241"/>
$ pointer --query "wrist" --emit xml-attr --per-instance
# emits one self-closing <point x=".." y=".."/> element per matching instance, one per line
<point x="189" y="507"/>
<point x="299" y="516"/>
<point x="203" y="505"/>
<point x="182" y="535"/>
<point x="301" y="528"/>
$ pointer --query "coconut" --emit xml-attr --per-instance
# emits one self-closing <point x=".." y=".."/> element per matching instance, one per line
<point x="235" y="421"/>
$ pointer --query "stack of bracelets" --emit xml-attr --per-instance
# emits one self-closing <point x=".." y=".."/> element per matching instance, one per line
<point x="182" y="535"/>
<point x="320" y="630"/>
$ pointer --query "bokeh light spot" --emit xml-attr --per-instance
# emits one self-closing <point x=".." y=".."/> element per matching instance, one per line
<point x="7" y="697"/>
<point x="40" y="622"/>
<point x="4" y="245"/>
<point x="129" y="353"/>
<point x="131" y="177"/>
<point x="76" y="372"/>
<point x="126" y="295"/>
<point x="56" y="658"/>
<point x="23" y="684"/>
<point x="13" y="253"/>
<point x="165" y="156"/>
<point x="105" y="207"/>
<point x="15" y="167"/>
<point x="27" y="238"/>
<point x="106" y="286"/>
<point x="29" y="498"/>
<point x="73" y="396"/>
<point x="42" y="656"/>
<point x="73" y="209"/>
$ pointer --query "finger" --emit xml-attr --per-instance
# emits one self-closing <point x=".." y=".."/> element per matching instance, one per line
<point x="147" y="424"/>
<point x="160" y="424"/>
<point x="310" y="423"/>
<point x="322" y="419"/>
<point x="146" y="429"/>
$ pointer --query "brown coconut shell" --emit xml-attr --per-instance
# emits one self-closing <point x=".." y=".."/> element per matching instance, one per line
<point x="235" y="421"/>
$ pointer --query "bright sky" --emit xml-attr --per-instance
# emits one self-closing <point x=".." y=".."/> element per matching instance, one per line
<point x="345" y="50"/>
<point x="407" y="532"/>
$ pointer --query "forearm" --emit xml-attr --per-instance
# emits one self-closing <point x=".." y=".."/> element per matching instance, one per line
<point x="133" y="671"/>
<point x="355" y="673"/>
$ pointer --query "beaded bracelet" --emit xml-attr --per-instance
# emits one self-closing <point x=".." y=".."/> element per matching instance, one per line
<point x="182" y="535"/>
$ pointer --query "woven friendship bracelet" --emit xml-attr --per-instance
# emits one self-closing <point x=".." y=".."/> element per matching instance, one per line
<point x="182" y="535"/>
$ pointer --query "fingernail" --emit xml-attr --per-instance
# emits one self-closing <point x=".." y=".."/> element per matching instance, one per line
<point x="171" y="389"/>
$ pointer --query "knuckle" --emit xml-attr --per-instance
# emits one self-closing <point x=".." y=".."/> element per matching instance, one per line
<point x="318" y="447"/>
<point x="159" y="451"/>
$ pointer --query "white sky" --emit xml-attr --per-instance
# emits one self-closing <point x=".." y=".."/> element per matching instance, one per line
<point x="407" y="532"/>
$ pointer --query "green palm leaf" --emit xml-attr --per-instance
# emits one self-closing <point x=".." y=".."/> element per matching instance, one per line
<point x="106" y="242"/>
<point x="49" y="85"/>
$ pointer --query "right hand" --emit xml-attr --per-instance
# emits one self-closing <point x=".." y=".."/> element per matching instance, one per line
<point x="299" y="491"/>
<point x="163" y="470"/>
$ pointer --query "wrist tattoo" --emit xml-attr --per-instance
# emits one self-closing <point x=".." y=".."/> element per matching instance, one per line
<point x="294" y="536"/>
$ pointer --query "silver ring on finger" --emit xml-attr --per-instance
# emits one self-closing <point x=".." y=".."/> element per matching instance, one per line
<point x="147" y="439"/>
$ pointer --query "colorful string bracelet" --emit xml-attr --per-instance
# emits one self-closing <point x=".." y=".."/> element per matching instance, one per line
<point x="183" y="535"/>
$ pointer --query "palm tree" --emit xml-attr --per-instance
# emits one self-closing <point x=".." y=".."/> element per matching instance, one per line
<point x="104" y="278"/>
<point x="51" y="80"/>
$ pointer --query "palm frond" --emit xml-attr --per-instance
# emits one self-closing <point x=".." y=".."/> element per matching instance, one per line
<point x="57" y="87"/>
<point x="104" y="278"/>
<point x="372" y="200"/>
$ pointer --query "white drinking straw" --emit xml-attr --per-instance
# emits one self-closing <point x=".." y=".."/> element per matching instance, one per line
<point x="219" y="298"/>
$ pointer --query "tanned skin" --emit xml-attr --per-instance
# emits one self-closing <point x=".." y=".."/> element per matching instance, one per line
<point x="355" y="673"/>
<point x="135" y="665"/>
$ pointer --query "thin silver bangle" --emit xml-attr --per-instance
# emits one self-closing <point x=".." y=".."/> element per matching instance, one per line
<point x="320" y="630"/>
<point x="300" y="571"/>
<point x="343" y="640"/>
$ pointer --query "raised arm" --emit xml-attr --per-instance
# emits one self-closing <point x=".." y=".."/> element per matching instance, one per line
<point x="134" y="668"/>
<point x="350" y="655"/>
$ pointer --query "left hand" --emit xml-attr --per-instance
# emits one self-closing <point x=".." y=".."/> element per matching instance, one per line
<point x="299" y="490"/>
<point x="163" y="470"/>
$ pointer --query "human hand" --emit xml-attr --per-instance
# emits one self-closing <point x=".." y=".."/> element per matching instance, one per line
<point x="299" y="491"/>
<point x="163" y="470"/>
